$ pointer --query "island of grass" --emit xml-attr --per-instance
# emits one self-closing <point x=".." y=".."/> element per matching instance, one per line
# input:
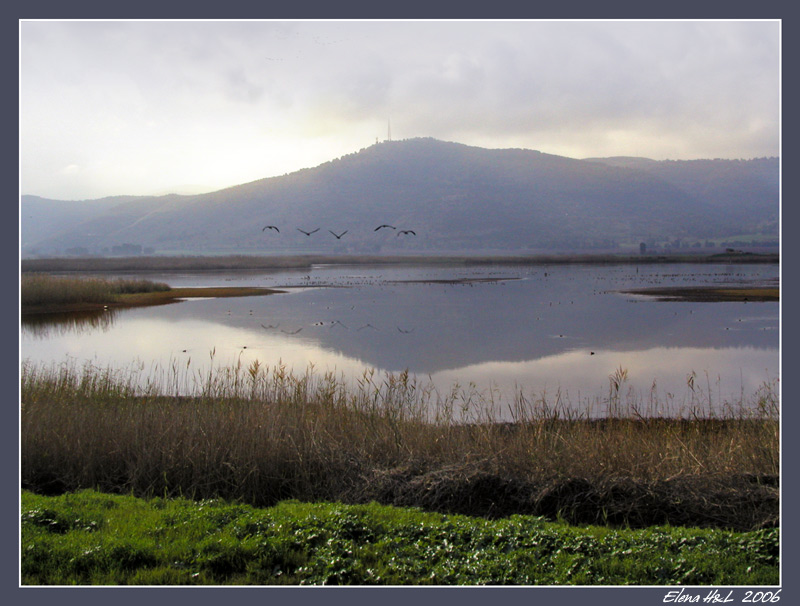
<point x="710" y="294"/>
<point x="44" y="293"/>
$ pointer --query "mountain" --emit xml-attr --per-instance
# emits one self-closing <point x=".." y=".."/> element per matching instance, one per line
<point x="457" y="198"/>
<point x="748" y="189"/>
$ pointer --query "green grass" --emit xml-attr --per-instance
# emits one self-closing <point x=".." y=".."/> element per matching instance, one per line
<point x="94" y="538"/>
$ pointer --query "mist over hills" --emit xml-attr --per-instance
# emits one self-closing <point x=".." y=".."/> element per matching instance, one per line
<point x="457" y="198"/>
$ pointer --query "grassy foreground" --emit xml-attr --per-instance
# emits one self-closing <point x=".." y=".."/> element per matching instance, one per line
<point x="94" y="538"/>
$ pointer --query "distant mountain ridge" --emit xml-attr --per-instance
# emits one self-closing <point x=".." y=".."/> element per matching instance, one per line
<point x="456" y="198"/>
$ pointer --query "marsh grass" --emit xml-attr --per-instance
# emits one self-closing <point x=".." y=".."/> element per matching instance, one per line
<point x="41" y="290"/>
<point x="264" y="434"/>
<point x="51" y="295"/>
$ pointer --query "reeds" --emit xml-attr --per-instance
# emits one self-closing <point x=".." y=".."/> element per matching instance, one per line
<point x="262" y="434"/>
<point x="38" y="290"/>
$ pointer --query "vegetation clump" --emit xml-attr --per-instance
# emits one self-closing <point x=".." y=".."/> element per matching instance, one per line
<point x="46" y="294"/>
<point x="42" y="291"/>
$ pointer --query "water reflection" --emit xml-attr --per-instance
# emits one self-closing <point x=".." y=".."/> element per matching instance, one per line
<point x="657" y="378"/>
<point x="46" y="326"/>
<point x="560" y="329"/>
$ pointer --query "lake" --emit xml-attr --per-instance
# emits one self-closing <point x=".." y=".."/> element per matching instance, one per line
<point x="555" y="333"/>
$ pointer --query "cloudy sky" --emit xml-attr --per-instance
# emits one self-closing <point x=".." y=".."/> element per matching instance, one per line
<point x="154" y="107"/>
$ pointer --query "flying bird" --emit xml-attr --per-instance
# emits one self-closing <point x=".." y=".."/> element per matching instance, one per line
<point x="407" y="231"/>
<point x="292" y="332"/>
<point x="339" y="236"/>
<point x="384" y="225"/>
<point x="270" y="326"/>
<point x="308" y="233"/>
<point x="271" y="227"/>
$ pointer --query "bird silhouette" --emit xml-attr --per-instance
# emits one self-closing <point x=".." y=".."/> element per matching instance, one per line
<point x="270" y="326"/>
<point x="308" y="233"/>
<point x="406" y="231"/>
<point x="384" y="225"/>
<point x="271" y="227"/>
<point x="339" y="236"/>
<point x="292" y="332"/>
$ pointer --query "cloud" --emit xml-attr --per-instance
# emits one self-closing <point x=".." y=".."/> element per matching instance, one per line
<point x="319" y="90"/>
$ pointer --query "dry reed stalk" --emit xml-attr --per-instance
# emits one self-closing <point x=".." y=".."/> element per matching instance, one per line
<point x="263" y="434"/>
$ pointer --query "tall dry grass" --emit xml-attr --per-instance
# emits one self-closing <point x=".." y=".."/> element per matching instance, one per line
<point x="37" y="290"/>
<point x="262" y="434"/>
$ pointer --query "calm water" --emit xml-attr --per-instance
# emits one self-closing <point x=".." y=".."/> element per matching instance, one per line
<point x="502" y="329"/>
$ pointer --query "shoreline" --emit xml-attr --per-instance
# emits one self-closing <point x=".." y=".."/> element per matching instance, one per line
<point x="286" y="262"/>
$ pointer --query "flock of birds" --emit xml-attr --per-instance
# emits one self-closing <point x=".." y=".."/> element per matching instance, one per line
<point x="402" y="232"/>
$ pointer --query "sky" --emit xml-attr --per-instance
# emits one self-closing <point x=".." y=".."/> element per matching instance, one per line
<point x="156" y="107"/>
